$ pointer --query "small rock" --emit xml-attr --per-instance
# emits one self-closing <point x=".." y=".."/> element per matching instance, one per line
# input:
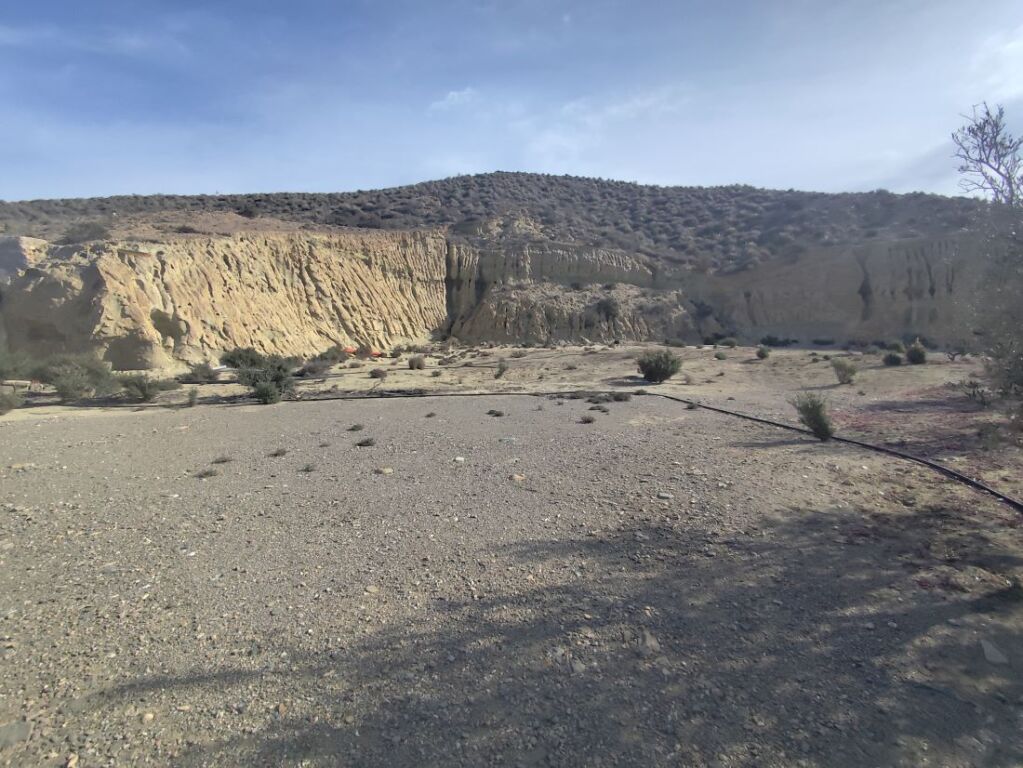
<point x="372" y="589"/>
<point x="148" y="717"/>
<point x="578" y="667"/>
<point x="992" y="653"/>
<point x="665" y="495"/>
<point x="384" y="471"/>
<point x="517" y="478"/>
<point x="459" y="459"/>
<point x="72" y="761"/>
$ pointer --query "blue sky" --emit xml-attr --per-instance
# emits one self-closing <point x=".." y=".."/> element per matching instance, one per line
<point x="113" y="97"/>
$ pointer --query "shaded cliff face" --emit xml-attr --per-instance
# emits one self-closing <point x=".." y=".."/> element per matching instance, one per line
<point x="187" y="299"/>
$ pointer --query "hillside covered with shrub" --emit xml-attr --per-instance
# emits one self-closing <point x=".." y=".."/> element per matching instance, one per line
<point x="710" y="228"/>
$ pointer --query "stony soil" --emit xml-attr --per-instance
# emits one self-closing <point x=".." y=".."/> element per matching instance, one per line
<point x="662" y="586"/>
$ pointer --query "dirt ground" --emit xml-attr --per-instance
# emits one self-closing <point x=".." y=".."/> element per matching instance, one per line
<point x="235" y="584"/>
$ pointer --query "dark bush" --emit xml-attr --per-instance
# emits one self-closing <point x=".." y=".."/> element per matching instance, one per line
<point x="83" y="232"/>
<point x="916" y="353"/>
<point x="242" y="357"/>
<point x="9" y="401"/>
<point x="314" y="367"/>
<point x="199" y="373"/>
<point x="378" y="373"/>
<point x="275" y="374"/>
<point x="892" y="358"/>
<point x="659" y="366"/>
<point x="143" y="389"/>
<point x="417" y="363"/>
<point x="729" y="342"/>
<point x="763" y="352"/>
<point x="76" y="376"/>
<point x="813" y="414"/>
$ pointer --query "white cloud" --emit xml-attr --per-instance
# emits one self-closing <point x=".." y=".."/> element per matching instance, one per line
<point x="998" y="66"/>
<point x="455" y="99"/>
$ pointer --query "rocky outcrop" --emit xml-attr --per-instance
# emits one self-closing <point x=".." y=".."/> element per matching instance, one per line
<point x="188" y="298"/>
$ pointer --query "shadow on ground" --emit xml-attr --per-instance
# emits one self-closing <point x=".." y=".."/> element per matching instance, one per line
<point x="807" y="641"/>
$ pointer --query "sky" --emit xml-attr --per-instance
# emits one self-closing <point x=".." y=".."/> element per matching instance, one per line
<point x="233" y="96"/>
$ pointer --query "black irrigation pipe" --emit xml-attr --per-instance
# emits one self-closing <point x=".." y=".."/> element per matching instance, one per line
<point x="940" y="468"/>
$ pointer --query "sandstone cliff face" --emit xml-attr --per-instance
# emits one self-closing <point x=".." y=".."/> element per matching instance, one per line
<point x="297" y="293"/>
<point x="926" y="287"/>
<point x="188" y="299"/>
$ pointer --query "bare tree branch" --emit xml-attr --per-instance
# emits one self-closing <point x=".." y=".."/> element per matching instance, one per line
<point x="990" y="156"/>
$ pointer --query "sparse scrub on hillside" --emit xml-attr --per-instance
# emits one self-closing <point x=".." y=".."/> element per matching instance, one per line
<point x="85" y="231"/>
<point x="660" y="366"/>
<point x="813" y="414"/>
<point x="844" y="369"/>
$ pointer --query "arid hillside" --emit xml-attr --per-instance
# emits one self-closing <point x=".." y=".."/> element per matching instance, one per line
<point x="152" y="282"/>
<point x="724" y="228"/>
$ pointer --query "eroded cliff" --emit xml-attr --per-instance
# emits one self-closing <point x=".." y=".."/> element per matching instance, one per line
<point x="188" y="298"/>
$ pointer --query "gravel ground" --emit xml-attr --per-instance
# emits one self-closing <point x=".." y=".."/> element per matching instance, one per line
<point x="660" y="587"/>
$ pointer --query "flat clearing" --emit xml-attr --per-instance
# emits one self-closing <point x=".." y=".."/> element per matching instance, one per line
<point x="662" y="586"/>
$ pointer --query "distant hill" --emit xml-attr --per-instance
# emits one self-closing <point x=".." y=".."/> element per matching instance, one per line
<point x="723" y="229"/>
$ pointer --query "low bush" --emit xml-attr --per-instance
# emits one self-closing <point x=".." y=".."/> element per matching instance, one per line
<point x="813" y="414"/>
<point x="763" y="352"/>
<point x="892" y="359"/>
<point x="378" y="373"/>
<point x="83" y="232"/>
<point x="729" y="342"/>
<point x="896" y="346"/>
<point x="417" y="363"/>
<point x="143" y="389"/>
<point x="657" y="367"/>
<point x="193" y="397"/>
<point x="199" y="373"/>
<point x="314" y="367"/>
<point x="845" y="371"/>
<point x="519" y="353"/>
<point x="916" y="353"/>
<point x="720" y="355"/>
<point x="774" y="341"/>
<point x="502" y="369"/>
<point x="824" y="342"/>
<point x="9" y="401"/>
<point x="75" y="376"/>
<point x="366" y="442"/>
<point x="586" y="419"/>
<point x="271" y="381"/>
<point x="242" y="357"/>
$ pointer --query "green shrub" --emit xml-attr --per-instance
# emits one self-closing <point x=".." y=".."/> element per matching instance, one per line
<point x="274" y="374"/>
<point x="14" y="365"/>
<point x="586" y="419"/>
<point x="143" y="389"/>
<point x="83" y="232"/>
<point x="199" y="373"/>
<point x="378" y="373"/>
<point x="813" y="414"/>
<point x="417" y="363"/>
<point x="266" y="392"/>
<point x="845" y="371"/>
<point x="193" y="397"/>
<point x="896" y="346"/>
<point x="502" y="369"/>
<point x="720" y="355"/>
<point x="916" y="353"/>
<point x="659" y="366"/>
<point x="75" y="376"/>
<point x="314" y="367"/>
<point x="333" y="355"/>
<point x="242" y="357"/>
<point x="729" y="342"/>
<point x="763" y="352"/>
<point x="892" y="358"/>
<point x="9" y="401"/>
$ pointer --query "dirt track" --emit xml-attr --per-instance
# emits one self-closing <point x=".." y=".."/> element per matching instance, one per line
<point x="538" y="603"/>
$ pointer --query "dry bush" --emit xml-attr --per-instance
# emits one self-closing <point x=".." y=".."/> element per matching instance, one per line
<point x="813" y="414"/>
<point x="845" y="371"/>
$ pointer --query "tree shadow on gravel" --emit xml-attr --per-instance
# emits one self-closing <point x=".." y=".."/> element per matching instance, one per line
<point x="807" y="641"/>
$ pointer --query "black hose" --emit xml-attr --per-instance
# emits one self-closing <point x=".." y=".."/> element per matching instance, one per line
<point x="947" y="471"/>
